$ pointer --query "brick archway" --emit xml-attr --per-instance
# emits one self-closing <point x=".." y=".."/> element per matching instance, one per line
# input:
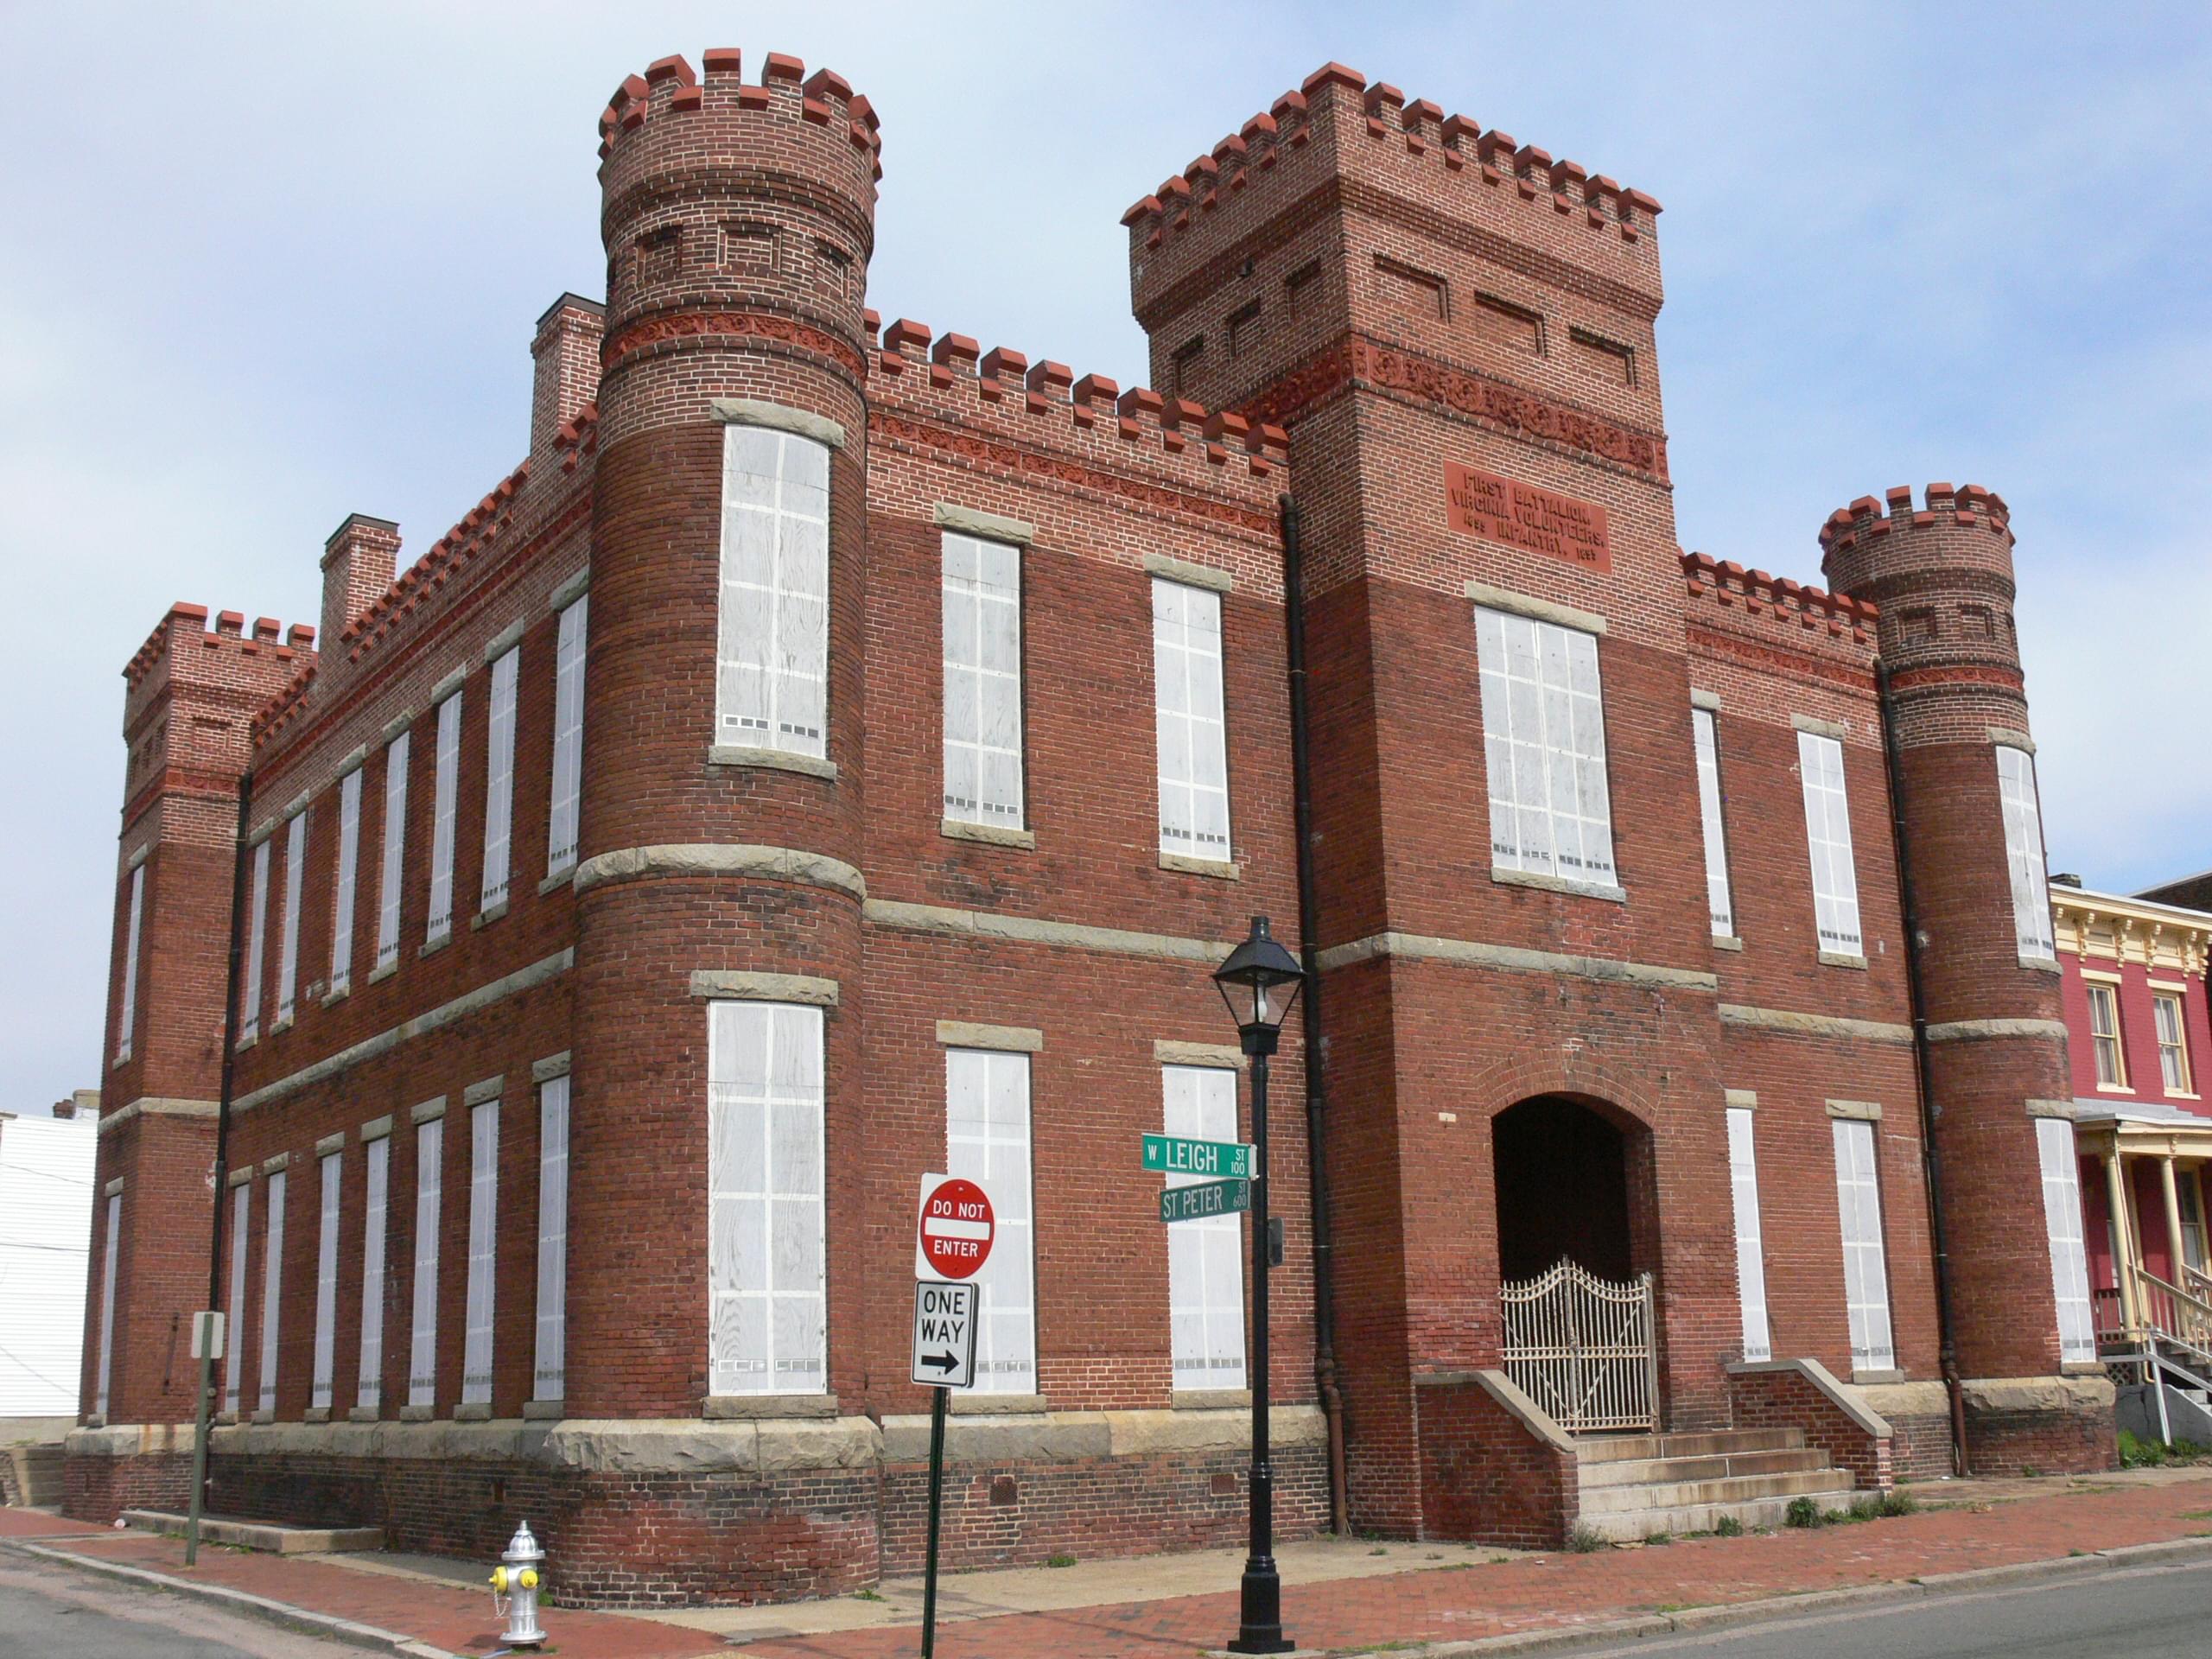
<point x="1560" y="1171"/>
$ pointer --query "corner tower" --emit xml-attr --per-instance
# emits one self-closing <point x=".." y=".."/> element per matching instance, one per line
<point x="721" y="821"/>
<point x="1957" y="711"/>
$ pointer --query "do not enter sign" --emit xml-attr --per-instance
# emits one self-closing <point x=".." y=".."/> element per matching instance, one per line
<point x="952" y="1238"/>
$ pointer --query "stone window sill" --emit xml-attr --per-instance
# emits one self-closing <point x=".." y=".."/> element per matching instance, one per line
<point x="484" y="918"/>
<point x="281" y="1027"/>
<point x="385" y="972"/>
<point x="472" y="1411"/>
<point x="563" y="877"/>
<point x="317" y="1414"/>
<point x="543" y="1411"/>
<point x="989" y="835"/>
<point x="119" y="1061"/>
<point x="417" y="1414"/>
<point x="431" y="947"/>
<point x="966" y="1403"/>
<point x="264" y="1416"/>
<point x="2041" y="965"/>
<point x="1211" y="1399"/>
<point x="735" y="754"/>
<point x="338" y="994"/>
<point x="1726" y="942"/>
<point x="248" y="1041"/>
<point x="1219" y="869"/>
<point x="1512" y="878"/>
<point x="1890" y="1375"/>
<point x="365" y="1414"/>
<point x="1843" y="959"/>
<point x="729" y="1407"/>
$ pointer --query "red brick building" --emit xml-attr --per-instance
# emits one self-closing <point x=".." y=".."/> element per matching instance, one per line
<point x="836" y="753"/>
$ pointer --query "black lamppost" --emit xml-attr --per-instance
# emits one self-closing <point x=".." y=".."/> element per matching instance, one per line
<point x="1260" y="982"/>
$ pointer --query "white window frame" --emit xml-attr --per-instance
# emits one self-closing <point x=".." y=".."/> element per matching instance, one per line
<point x="2064" y="1228"/>
<point x="393" y="861"/>
<point x="550" y="1374"/>
<point x="349" y="865"/>
<point x="233" y="1354"/>
<point x="1205" y="1258"/>
<point x="107" y="1303"/>
<point x="2107" y="1040"/>
<point x="1544" y="748"/>
<point x="2023" y="856"/>
<point x="2192" y="1217"/>
<point x="767" y="1244"/>
<point x="988" y="1136"/>
<point x="430" y="1193"/>
<point x="771" y="688"/>
<point x="331" y="1169"/>
<point x="256" y="936"/>
<point x="1705" y="726"/>
<point x="982" y="682"/>
<point x="375" y="1211"/>
<point x="563" y="815"/>
<point x="1828" y="844"/>
<point x="483" y="1252"/>
<point x="272" y="1288"/>
<point x="288" y="958"/>
<point x="1190" y="720"/>
<point x="445" y="810"/>
<point x="1866" y="1259"/>
<point x="1750" y="1247"/>
<point x="127" y="1016"/>
<point x="2174" y="1070"/>
<point x="500" y="778"/>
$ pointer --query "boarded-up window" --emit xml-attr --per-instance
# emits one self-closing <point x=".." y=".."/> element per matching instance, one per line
<point x="1411" y="292"/>
<point x="1244" y="329"/>
<point x="1302" y="288"/>
<point x="1507" y="324"/>
<point x="1608" y="358"/>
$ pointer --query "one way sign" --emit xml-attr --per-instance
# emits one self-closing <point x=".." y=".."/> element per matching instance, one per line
<point x="944" y="1333"/>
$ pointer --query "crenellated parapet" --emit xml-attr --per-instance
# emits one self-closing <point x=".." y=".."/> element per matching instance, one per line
<point x="1791" y="604"/>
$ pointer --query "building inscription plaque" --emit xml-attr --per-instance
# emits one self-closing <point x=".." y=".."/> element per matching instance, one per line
<point x="1506" y="510"/>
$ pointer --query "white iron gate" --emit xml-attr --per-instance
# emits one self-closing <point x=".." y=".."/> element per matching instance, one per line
<point x="1582" y="1347"/>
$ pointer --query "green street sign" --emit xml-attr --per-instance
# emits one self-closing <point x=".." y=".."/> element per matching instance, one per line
<point x="1173" y="1155"/>
<point x="1203" y="1198"/>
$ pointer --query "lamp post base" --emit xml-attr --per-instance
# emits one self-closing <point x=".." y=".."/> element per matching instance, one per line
<point x="1259" y="1625"/>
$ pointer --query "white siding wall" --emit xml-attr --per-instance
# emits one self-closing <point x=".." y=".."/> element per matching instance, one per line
<point x="46" y="1230"/>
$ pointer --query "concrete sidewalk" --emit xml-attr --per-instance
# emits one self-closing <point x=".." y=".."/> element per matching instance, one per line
<point x="1339" y="1596"/>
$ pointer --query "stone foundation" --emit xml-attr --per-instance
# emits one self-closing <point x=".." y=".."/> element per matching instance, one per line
<point x="2041" y="1425"/>
<point x="1919" y="1416"/>
<point x="128" y="1467"/>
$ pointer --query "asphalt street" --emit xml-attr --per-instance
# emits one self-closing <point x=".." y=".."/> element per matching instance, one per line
<point x="2163" y="1613"/>
<point x="49" y="1611"/>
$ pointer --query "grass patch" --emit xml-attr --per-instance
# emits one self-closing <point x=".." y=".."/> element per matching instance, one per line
<point x="1059" y="1561"/>
<point x="866" y="1595"/>
<point x="1727" y="1527"/>
<point x="1802" y="1512"/>
<point x="1584" y="1539"/>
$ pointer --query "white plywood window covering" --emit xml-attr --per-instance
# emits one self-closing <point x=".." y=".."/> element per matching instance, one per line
<point x="1705" y="724"/>
<point x="287" y="955"/>
<point x="771" y="687"/>
<point x="767" y="1332"/>
<point x="395" y="848"/>
<point x="1206" y="1259"/>
<point x="127" y="1018"/>
<point x="107" y="1299"/>
<point x="986" y="1140"/>
<point x="429" y="1177"/>
<point x="1750" y="1253"/>
<point x="483" y="1251"/>
<point x="2104" y="1035"/>
<point x="549" y="1377"/>
<point x="568" y="737"/>
<point x="325" y="1284"/>
<point x="446" y="805"/>
<point x="378" y="1156"/>
<point x="349" y="862"/>
<point x="1828" y="837"/>
<point x="234" y="1360"/>
<point x="1865" y="1269"/>
<point x="500" y="778"/>
<point x="1191" y="720"/>
<point x="1544" y="740"/>
<point x="272" y="1288"/>
<point x="2069" y="1258"/>
<point x="2173" y="1043"/>
<point x="257" y="935"/>
<point x="982" y="682"/>
<point x="2016" y="783"/>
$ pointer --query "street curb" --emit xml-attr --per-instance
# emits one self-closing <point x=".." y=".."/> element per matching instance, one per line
<point x="239" y="1601"/>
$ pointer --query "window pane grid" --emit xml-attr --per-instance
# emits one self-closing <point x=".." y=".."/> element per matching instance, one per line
<point x="2104" y="1036"/>
<point x="767" y="1331"/>
<point x="2173" y="1045"/>
<point x="448" y="783"/>
<point x="1544" y="741"/>
<point x="2016" y="780"/>
<point x="1706" y="725"/>
<point x="288" y="962"/>
<point x="1827" y="835"/>
<point x="982" y="682"/>
<point x="1191" y="725"/>
<point x="1206" y="1259"/>
<point x="395" y="848"/>
<point x="378" y="1157"/>
<point x="2070" y="1261"/>
<point x="500" y="778"/>
<point x="772" y="684"/>
<point x="127" y="1017"/>
<point x="349" y="859"/>
<point x="568" y="737"/>
<point x="1866" y="1271"/>
<point x="550" y="1377"/>
<point x="483" y="1251"/>
<point x="326" y="1283"/>
<point x="986" y="1140"/>
<point x="423" y="1350"/>
<point x="1751" y="1254"/>
<point x="272" y="1284"/>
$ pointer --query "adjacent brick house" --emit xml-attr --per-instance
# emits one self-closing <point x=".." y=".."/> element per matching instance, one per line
<point x="837" y="752"/>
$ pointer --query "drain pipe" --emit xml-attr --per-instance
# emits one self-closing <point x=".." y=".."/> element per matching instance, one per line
<point x="1301" y="765"/>
<point x="232" y="974"/>
<point x="1931" y="1159"/>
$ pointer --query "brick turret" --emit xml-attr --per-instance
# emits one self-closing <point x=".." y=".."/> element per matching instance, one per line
<point x="739" y="220"/>
<point x="1941" y="573"/>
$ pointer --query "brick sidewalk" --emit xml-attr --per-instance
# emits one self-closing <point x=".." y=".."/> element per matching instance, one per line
<point x="1471" y="1599"/>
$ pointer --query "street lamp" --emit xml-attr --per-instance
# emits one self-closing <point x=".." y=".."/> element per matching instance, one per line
<point x="1258" y="983"/>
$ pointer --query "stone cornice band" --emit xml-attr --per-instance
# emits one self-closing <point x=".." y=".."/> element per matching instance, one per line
<point x="1417" y="947"/>
<point x="716" y="858"/>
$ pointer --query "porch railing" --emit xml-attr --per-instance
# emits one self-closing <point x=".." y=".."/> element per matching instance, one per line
<point x="1583" y="1347"/>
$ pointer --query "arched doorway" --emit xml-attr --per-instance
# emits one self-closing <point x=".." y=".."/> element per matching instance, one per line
<point x="1562" y="1174"/>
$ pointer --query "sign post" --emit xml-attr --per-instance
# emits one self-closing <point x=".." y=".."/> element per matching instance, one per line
<point x="953" y="1234"/>
<point x="206" y="1348"/>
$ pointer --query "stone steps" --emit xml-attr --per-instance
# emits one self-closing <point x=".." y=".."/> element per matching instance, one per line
<point x="1608" y="1448"/>
<point x="1679" y="1494"/>
<point x="1632" y="1472"/>
<point x="37" y="1469"/>
<point x="271" y="1536"/>
<point x="1634" y="1525"/>
<point x="1634" y="1486"/>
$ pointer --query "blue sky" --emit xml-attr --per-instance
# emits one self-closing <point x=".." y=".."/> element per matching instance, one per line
<point x="262" y="266"/>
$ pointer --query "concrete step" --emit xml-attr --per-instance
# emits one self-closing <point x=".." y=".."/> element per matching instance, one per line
<point x="1630" y="1525"/>
<point x="1611" y="1448"/>
<point x="1737" y="1488"/>
<point x="38" y="1472"/>
<point x="1635" y="1472"/>
<point x="272" y="1536"/>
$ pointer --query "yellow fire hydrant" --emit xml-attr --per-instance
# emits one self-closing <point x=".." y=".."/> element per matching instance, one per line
<point x="514" y="1590"/>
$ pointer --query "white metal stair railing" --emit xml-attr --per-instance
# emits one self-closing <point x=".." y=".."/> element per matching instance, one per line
<point x="2175" y="1322"/>
<point x="1582" y="1347"/>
